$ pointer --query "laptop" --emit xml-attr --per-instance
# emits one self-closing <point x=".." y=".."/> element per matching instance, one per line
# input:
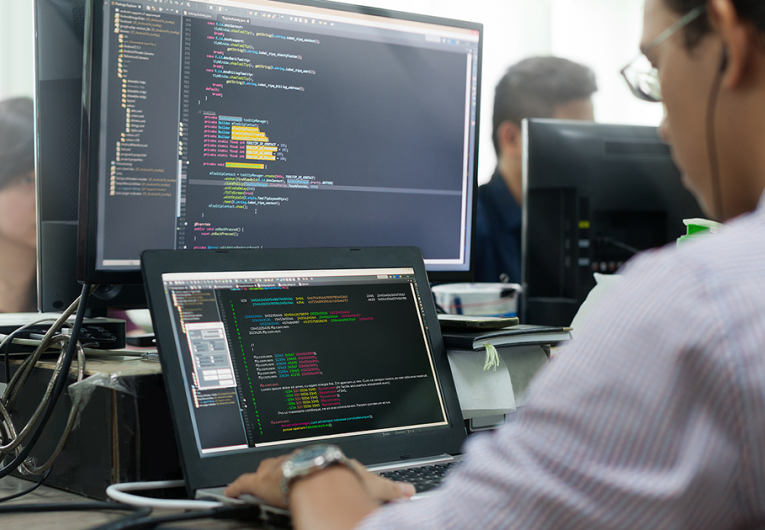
<point x="265" y="351"/>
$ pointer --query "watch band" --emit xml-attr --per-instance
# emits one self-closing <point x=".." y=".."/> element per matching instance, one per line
<point x="309" y="460"/>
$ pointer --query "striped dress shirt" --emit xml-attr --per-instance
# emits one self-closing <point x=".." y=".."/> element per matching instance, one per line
<point x="653" y="417"/>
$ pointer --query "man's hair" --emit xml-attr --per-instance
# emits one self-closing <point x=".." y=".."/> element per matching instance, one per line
<point x="751" y="10"/>
<point x="17" y="155"/>
<point x="533" y="88"/>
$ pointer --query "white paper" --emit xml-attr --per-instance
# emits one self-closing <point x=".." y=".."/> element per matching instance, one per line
<point x="523" y="364"/>
<point x="481" y="393"/>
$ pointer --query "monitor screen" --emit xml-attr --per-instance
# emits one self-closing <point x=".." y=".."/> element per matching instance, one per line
<point x="594" y="195"/>
<point x="266" y="124"/>
<point x="312" y="381"/>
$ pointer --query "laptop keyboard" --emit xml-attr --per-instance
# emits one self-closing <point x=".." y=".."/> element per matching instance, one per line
<point x="423" y="478"/>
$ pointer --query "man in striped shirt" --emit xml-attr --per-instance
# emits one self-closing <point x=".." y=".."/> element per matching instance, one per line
<point x="654" y="417"/>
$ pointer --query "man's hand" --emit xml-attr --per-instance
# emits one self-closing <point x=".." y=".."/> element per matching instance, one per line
<point x="265" y="483"/>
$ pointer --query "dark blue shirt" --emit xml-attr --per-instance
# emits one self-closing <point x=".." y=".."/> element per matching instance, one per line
<point x="498" y="233"/>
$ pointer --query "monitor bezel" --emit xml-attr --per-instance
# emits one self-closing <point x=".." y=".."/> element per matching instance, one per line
<point x="89" y="156"/>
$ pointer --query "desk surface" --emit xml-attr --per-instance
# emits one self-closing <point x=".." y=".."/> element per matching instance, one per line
<point x="80" y="520"/>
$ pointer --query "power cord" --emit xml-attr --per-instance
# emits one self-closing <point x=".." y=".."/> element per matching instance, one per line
<point x="199" y="509"/>
<point x="27" y="466"/>
<point x="618" y="244"/>
<point x="12" y="442"/>
<point x="29" y="490"/>
<point x="119" y="492"/>
<point x="11" y="338"/>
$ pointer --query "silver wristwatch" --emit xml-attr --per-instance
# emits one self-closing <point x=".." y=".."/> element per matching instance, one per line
<point x="308" y="460"/>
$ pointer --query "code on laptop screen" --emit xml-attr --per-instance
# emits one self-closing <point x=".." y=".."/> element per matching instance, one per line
<point x="274" y="358"/>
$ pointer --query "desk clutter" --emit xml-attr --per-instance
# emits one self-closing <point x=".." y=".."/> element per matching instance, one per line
<point x="124" y="432"/>
<point x="492" y="369"/>
<point x="483" y="299"/>
<point x="493" y="358"/>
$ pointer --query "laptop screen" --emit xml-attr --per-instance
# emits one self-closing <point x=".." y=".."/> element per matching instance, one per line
<point x="271" y="358"/>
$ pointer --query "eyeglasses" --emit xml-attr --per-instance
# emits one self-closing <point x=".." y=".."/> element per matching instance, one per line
<point x="641" y="76"/>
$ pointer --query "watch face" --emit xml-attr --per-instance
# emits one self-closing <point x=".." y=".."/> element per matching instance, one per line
<point x="310" y="453"/>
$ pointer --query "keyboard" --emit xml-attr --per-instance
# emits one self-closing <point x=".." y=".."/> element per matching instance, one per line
<point x="423" y="478"/>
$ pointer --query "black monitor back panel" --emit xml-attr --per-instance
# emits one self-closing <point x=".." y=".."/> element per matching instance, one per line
<point x="594" y="194"/>
<point x="59" y="26"/>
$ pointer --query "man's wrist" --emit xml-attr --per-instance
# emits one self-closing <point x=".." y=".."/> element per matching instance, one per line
<point x="335" y="490"/>
<point x="332" y="476"/>
<point x="310" y="460"/>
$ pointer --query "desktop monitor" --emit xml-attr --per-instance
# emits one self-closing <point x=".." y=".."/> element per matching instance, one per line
<point x="223" y="124"/>
<point x="58" y="43"/>
<point x="594" y="195"/>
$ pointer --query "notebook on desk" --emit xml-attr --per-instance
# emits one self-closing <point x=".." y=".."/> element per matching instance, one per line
<point x="264" y="351"/>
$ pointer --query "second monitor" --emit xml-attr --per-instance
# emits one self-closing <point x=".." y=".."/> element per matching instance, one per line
<point x="594" y="195"/>
<point x="275" y="124"/>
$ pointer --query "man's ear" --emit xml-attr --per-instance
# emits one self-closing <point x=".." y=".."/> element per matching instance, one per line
<point x="510" y="141"/>
<point x="738" y="42"/>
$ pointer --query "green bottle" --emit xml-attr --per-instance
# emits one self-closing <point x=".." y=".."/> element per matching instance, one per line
<point x="698" y="228"/>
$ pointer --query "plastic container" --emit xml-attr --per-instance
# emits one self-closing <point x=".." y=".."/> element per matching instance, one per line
<point x="480" y="299"/>
<point x="698" y="228"/>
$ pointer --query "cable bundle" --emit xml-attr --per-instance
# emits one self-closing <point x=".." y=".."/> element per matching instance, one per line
<point x="19" y="443"/>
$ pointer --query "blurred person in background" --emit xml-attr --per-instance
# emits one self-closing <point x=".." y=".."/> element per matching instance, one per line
<point x="18" y="240"/>
<point x="537" y="87"/>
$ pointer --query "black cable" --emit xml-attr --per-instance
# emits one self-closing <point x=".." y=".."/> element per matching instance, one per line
<point x="714" y="163"/>
<point x="618" y="244"/>
<point x="249" y="512"/>
<point x="6" y="356"/>
<point x="57" y="389"/>
<point x="139" y="511"/>
<point x="7" y="351"/>
<point x="30" y="490"/>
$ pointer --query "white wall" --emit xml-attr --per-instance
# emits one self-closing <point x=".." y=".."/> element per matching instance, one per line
<point x="602" y="34"/>
<point x="16" y="73"/>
